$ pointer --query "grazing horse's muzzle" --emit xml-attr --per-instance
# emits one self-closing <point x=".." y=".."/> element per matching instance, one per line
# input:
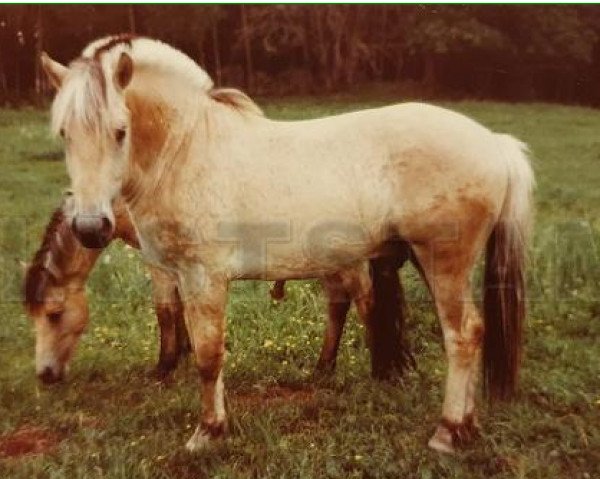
<point x="48" y="376"/>
<point x="93" y="231"/>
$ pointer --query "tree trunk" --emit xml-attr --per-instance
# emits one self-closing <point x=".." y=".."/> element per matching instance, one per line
<point x="383" y="36"/>
<point x="40" y="78"/>
<point x="306" y="54"/>
<point x="429" y="75"/>
<point x="247" y="49"/>
<point x="216" y="53"/>
<point x="131" y="18"/>
<point x="322" y="69"/>
<point x="3" y="80"/>
<point x="336" y="23"/>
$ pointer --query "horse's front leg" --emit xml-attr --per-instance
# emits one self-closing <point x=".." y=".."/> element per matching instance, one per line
<point x="205" y="298"/>
<point x="169" y="312"/>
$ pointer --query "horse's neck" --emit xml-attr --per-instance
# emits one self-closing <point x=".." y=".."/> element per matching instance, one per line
<point x="166" y="128"/>
<point x="124" y="228"/>
<point x="79" y="264"/>
<point x="178" y="131"/>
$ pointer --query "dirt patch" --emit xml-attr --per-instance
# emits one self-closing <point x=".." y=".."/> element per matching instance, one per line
<point x="273" y="395"/>
<point x="28" y="440"/>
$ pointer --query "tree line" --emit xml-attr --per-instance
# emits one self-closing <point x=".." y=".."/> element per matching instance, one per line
<point x="506" y="52"/>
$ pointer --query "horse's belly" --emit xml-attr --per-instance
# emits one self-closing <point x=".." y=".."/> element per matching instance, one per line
<point x="325" y="248"/>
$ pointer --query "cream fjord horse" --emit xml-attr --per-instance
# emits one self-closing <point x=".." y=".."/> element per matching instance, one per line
<point x="55" y="300"/>
<point x="218" y="193"/>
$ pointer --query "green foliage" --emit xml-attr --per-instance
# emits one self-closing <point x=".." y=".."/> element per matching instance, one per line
<point x="554" y="33"/>
<point x="446" y="29"/>
<point x="115" y="422"/>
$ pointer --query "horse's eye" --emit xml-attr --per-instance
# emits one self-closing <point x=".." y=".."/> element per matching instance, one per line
<point x="54" y="318"/>
<point x="62" y="132"/>
<point x="120" y="135"/>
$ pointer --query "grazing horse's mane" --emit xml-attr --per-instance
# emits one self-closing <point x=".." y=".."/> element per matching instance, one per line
<point x="46" y="268"/>
<point x="86" y="96"/>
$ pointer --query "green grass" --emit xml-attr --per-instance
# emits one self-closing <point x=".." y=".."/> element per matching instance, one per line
<point x="115" y="422"/>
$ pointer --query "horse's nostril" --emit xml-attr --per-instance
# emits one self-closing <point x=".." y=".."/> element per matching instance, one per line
<point x="93" y="231"/>
<point x="106" y="228"/>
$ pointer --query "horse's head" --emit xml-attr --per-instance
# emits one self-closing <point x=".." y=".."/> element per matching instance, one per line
<point x="90" y="113"/>
<point x="60" y="315"/>
<point x="54" y="295"/>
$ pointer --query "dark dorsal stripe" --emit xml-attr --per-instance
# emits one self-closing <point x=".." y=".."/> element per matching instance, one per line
<point x="122" y="38"/>
<point x="55" y="249"/>
<point x="95" y="69"/>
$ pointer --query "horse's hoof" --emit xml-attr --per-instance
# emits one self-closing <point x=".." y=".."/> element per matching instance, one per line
<point x="277" y="292"/>
<point x="324" y="369"/>
<point x="199" y="441"/>
<point x="450" y="435"/>
<point x="441" y="441"/>
<point x="205" y="435"/>
<point x="162" y="372"/>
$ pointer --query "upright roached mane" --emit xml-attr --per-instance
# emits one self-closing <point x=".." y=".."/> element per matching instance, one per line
<point x="204" y="176"/>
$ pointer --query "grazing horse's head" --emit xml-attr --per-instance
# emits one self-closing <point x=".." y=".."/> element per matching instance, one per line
<point x="59" y="320"/>
<point x="91" y="115"/>
<point x="55" y="300"/>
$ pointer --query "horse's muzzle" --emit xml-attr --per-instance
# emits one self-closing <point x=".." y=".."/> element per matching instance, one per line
<point x="93" y="231"/>
<point x="48" y="376"/>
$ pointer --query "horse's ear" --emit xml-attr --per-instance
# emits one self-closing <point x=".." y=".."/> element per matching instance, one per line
<point x="24" y="266"/>
<point x="54" y="70"/>
<point x="124" y="70"/>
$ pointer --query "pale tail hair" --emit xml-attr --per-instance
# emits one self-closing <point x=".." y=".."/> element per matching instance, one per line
<point x="504" y="281"/>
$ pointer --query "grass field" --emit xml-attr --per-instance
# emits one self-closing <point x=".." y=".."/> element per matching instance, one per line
<point x="110" y="420"/>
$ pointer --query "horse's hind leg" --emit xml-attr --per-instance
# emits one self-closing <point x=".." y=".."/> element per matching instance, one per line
<point x="446" y="268"/>
<point x="350" y="285"/>
<point x="338" y="304"/>
<point x="169" y="312"/>
<point x="277" y="292"/>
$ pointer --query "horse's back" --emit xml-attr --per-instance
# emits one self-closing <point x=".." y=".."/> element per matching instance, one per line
<point x="424" y="167"/>
<point x="405" y="154"/>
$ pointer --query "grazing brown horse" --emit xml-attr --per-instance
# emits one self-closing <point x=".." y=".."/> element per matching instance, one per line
<point x="220" y="193"/>
<point x="56" y="301"/>
<point x="55" y="298"/>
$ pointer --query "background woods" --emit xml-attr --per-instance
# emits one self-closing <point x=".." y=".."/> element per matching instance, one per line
<point x="507" y="52"/>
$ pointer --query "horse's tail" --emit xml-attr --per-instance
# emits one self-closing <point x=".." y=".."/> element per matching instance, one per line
<point x="390" y="354"/>
<point x="504" y="282"/>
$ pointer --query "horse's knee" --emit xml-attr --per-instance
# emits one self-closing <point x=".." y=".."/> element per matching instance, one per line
<point x="210" y="356"/>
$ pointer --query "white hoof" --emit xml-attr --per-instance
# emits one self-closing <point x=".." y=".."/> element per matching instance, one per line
<point x="200" y="440"/>
<point x="442" y="441"/>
